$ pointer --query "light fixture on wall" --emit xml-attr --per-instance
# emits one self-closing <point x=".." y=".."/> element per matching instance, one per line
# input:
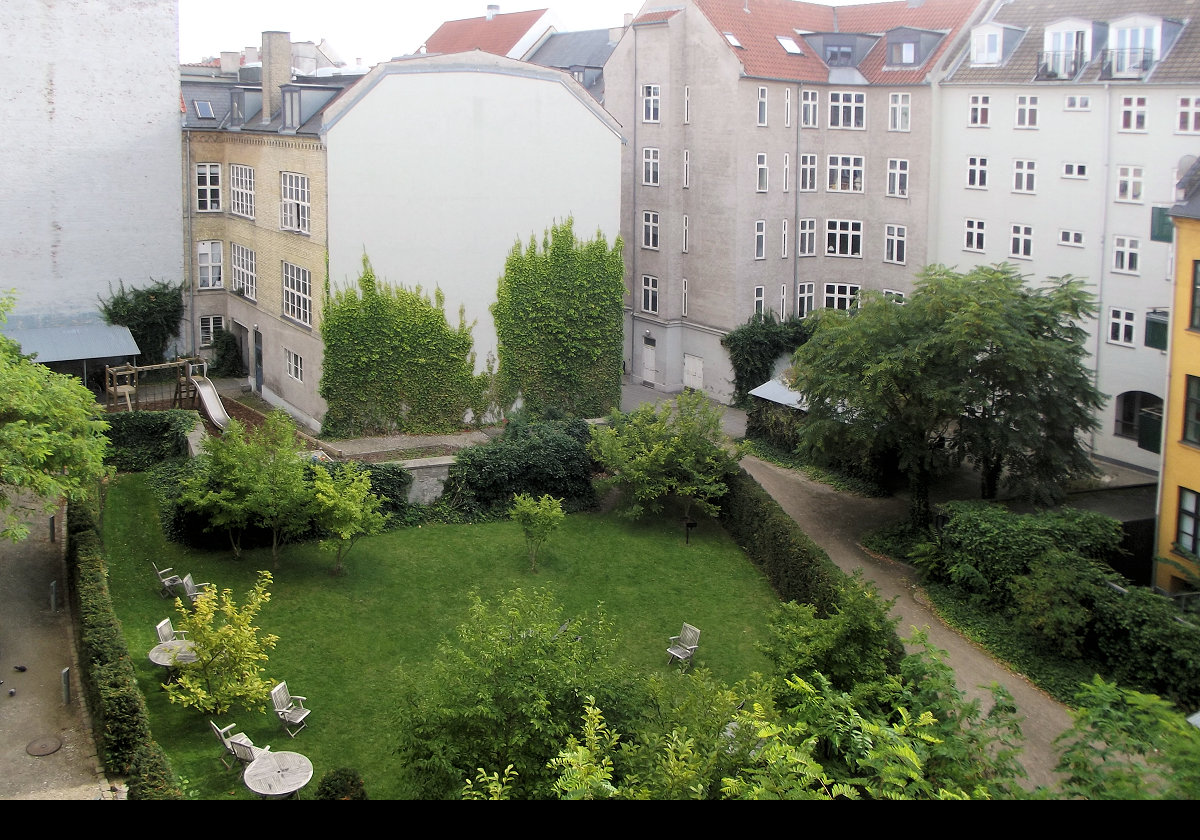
<point x="647" y="332"/>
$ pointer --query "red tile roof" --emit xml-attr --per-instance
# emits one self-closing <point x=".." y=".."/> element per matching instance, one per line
<point x="497" y="36"/>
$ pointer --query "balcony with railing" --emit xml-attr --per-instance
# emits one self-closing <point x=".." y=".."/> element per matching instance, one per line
<point x="1127" y="63"/>
<point x="1063" y="65"/>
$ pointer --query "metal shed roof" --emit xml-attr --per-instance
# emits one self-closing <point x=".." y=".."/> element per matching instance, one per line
<point x="61" y="344"/>
<point x="777" y="392"/>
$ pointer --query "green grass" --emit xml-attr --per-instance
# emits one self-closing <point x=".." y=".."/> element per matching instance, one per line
<point x="344" y="639"/>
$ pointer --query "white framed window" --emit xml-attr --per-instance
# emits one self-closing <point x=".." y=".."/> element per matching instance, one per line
<point x="1024" y="176"/>
<point x="762" y="106"/>
<point x="650" y="159"/>
<point x="841" y="296"/>
<point x="1126" y="254"/>
<point x="1075" y="170"/>
<point x="208" y="187"/>
<point x="843" y="238"/>
<point x="1021" y="245"/>
<point x="650" y="294"/>
<point x="1073" y="238"/>
<point x="687" y="104"/>
<point x="204" y="109"/>
<point x="760" y="239"/>
<point x="847" y="109"/>
<point x="975" y="229"/>
<point x="294" y="363"/>
<point x="297" y="293"/>
<point x="805" y="299"/>
<point x="687" y="233"/>
<point x="980" y="114"/>
<point x="808" y="173"/>
<point x="1122" y="326"/>
<point x="241" y="186"/>
<point x="894" y="296"/>
<point x="683" y="298"/>
<point x="1130" y="181"/>
<point x="1133" y="113"/>
<point x="650" y="103"/>
<point x="785" y="251"/>
<point x="789" y="45"/>
<point x="806" y="238"/>
<point x="897" y="178"/>
<point x="650" y="229"/>
<point x="761" y="169"/>
<point x="760" y="294"/>
<point x="1027" y="111"/>
<point x="977" y="173"/>
<point x="787" y="107"/>
<point x="293" y="206"/>
<point x="208" y="264"/>
<point x="985" y="48"/>
<point x="687" y="168"/>
<point x="1077" y="102"/>
<point x="895" y="241"/>
<point x="787" y="172"/>
<point x="809" y="108"/>
<point x="783" y="301"/>
<point x="209" y="326"/>
<point x="1188" y="120"/>
<point x="899" y="111"/>
<point x="845" y="173"/>
<point x="245" y="272"/>
<point x="904" y="52"/>
<point x="1134" y="46"/>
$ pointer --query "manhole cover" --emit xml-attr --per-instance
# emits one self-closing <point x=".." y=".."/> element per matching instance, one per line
<point x="43" y="746"/>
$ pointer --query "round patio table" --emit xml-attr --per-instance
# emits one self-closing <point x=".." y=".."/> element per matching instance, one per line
<point x="278" y="774"/>
<point x="176" y="652"/>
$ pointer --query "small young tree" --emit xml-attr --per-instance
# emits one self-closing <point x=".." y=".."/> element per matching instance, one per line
<point x="220" y="488"/>
<point x="344" y="505"/>
<point x="538" y="518"/>
<point x="279" y="496"/>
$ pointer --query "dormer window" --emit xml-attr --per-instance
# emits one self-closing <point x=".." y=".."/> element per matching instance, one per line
<point x="1066" y="49"/>
<point x="902" y="53"/>
<point x="237" y="107"/>
<point x="291" y="109"/>
<point x="1134" y="45"/>
<point x="789" y="45"/>
<point x="204" y="109"/>
<point x="839" y="56"/>
<point x="732" y="39"/>
<point x="985" y="48"/>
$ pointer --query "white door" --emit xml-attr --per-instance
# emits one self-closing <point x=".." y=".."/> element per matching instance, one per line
<point x="693" y="372"/>
<point x="649" y="364"/>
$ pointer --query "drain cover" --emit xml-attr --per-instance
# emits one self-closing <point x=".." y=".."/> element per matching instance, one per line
<point x="44" y="745"/>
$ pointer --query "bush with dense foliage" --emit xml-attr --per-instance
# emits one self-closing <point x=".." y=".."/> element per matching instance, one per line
<point x="140" y="439"/>
<point x="757" y="346"/>
<point x="343" y="784"/>
<point x="152" y="313"/>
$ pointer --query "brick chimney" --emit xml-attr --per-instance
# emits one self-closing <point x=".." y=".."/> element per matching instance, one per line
<point x="231" y="62"/>
<point x="276" y="70"/>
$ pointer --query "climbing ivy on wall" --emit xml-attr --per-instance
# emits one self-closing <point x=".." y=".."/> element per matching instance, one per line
<point x="558" y="316"/>
<point x="394" y="364"/>
<point x="756" y="345"/>
<point x="152" y="313"/>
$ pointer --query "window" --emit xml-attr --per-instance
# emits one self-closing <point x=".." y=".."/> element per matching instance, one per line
<point x="787" y="108"/>
<point x="897" y="179"/>
<point x="847" y="110"/>
<point x="1074" y="238"/>
<point x="805" y="296"/>
<point x="687" y="234"/>
<point x="977" y="173"/>
<point x="650" y="103"/>
<point x="841" y="296"/>
<point x="808" y="173"/>
<point x="1122" y="326"/>
<point x="975" y="230"/>
<point x="241" y="184"/>
<point x="783" y="301"/>
<point x="760" y="239"/>
<point x="1023" y="176"/>
<point x="899" y="111"/>
<point x="789" y="45"/>
<point x="843" y="238"/>
<point x="1158" y="328"/>
<point x="245" y="277"/>
<point x="1125" y="254"/>
<point x="985" y="48"/>
<point x="208" y="187"/>
<point x="208" y="264"/>
<point x="759" y="304"/>
<point x="894" y="296"/>
<point x="650" y="229"/>
<point x="650" y="167"/>
<point x="785" y="251"/>
<point x="683" y="298"/>
<point x="1021" y="246"/>
<point x="297" y="293"/>
<point x="1129" y="183"/>
<point x="1135" y="47"/>
<point x="294" y="207"/>
<point x="1133" y="113"/>
<point x="787" y="171"/>
<point x="806" y="238"/>
<point x="733" y="40"/>
<point x="1077" y="102"/>
<point x="687" y="104"/>
<point x="1194" y="322"/>
<point x="894" y="239"/>
<point x="687" y="168"/>
<point x="1191" y="410"/>
<point x="762" y="106"/>
<point x="904" y="52"/>
<point x="809" y="105"/>
<point x="839" y="55"/>
<point x="295" y="364"/>
<point x="761" y="181"/>
<point x="981" y="110"/>
<point x="291" y="108"/>
<point x="649" y="294"/>
<point x="845" y="173"/>
<point x="204" y="109"/>
<point x="1027" y="112"/>
<point x="1189" y="115"/>
<point x="1139" y="416"/>
<point x="1075" y="170"/>
<point x="1187" y="532"/>
<point x="209" y="325"/>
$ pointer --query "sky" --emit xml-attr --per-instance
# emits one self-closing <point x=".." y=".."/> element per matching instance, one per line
<point x="371" y="30"/>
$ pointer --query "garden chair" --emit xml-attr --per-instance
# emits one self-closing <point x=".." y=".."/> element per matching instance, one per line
<point x="168" y="633"/>
<point x="684" y="645"/>
<point x="245" y="751"/>
<point x="227" y="742"/>
<point x="192" y="590"/>
<point x="166" y="580"/>
<point x="290" y="709"/>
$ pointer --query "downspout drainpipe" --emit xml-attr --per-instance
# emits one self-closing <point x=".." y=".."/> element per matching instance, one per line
<point x="188" y="245"/>
<point x="795" y="187"/>
<point x="1101" y="272"/>
<point x="633" y="248"/>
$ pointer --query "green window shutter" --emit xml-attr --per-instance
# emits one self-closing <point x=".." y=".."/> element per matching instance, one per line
<point x="1150" y="429"/>
<point x="1162" y="229"/>
<point x="1157" y="325"/>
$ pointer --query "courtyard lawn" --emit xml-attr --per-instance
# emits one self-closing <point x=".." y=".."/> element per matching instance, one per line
<point x="343" y="639"/>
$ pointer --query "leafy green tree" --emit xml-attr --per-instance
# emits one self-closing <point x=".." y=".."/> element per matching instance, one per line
<point x="231" y="652"/>
<point x="52" y="441"/>
<point x="538" y="519"/>
<point x="280" y="497"/>
<point x="344" y="505"/>
<point x="220" y="487"/>
<point x="152" y="313"/>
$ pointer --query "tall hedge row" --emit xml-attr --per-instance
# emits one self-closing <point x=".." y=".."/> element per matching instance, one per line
<point x="141" y="439"/>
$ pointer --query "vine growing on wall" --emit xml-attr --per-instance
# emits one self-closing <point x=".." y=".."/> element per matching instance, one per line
<point x="153" y="315"/>
<point x="558" y="316"/>
<point x="394" y="364"/>
<point x="757" y="345"/>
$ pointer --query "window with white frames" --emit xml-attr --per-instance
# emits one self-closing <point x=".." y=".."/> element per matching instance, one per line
<point x="1021" y="245"/>
<point x="845" y="173"/>
<point x="245" y="272"/>
<point x="294" y="363"/>
<point x="241" y="188"/>
<point x="843" y="238"/>
<point x="760" y="239"/>
<point x="895" y="244"/>
<point x="787" y="171"/>
<point x="1027" y="111"/>
<point x="1126" y="254"/>
<point x="762" y="106"/>
<point x="783" y="310"/>
<point x="1122" y="326"/>
<point x="208" y="187"/>
<point x="974" y="235"/>
<point x="985" y="47"/>
<point x="761" y="178"/>
<point x="650" y="229"/>
<point x="1024" y="172"/>
<point x="893" y="296"/>
<point x="687" y="168"/>
<point x="1065" y="50"/>
<point x="683" y="298"/>
<point x="1133" y="113"/>
<point x="650" y="294"/>
<point x="847" y="109"/>
<point x="1130" y="183"/>
<point x="980" y="114"/>
<point x="899" y="111"/>
<point x="650" y="158"/>
<point x="785" y="252"/>
<point x="1188" y="121"/>
<point x="687" y="104"/>
<point x="650" y="103"/>
<point x="1134" y="46"/>
<point x="806" y="238"/>
<point x="1073" y="238"/>
<point x="208" y="265"/>
<point x="204" y="109"/>
<point x="897" y="178"/>
<point x="977" y="173"/>
<point x="903" y="52"/>
<point x="687" y="234"/>
<point x="809" y="108"/>
<point x="841" y="296"/>
<point x="733" y="40"/>
<point x="787" y="108"/>
<point x="209" y="326"/>
<point x="789" y="45"/>
<point x="760" y="294"/>
<point x="1075" y="170"/>
<point x="294" y="206"/>
<point x="808" y="173"/>
<point x="1077" y="102"/>
<point x="805" y="298"/>
<point x="297" y="293"/>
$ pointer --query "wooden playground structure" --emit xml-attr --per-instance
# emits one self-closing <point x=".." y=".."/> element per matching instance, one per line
<point x="132" y="386"/>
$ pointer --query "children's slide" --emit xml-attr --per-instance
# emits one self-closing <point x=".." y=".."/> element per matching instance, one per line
<point x="211" y="400"/>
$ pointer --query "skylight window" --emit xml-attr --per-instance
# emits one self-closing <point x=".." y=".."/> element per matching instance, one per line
<point x="732" y="39"/>
<point x="789" y="45"/>
<point x="204" y="109"/>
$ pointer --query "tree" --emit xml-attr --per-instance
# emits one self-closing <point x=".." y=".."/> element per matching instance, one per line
<point x="153" y="315"/>
<point x="345" y="506"/>
<point x="279" y="496"/>
<point x="52" y="441"/>
<point x="678" y="449"/>
<point x="221" y="485"/>
<point x="230" y="652"/>
<point x="538" y="518"/>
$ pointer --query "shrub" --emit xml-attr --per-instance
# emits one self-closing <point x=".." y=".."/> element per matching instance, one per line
<point x="141" y="439"/>
<point x="345" y="783"/>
